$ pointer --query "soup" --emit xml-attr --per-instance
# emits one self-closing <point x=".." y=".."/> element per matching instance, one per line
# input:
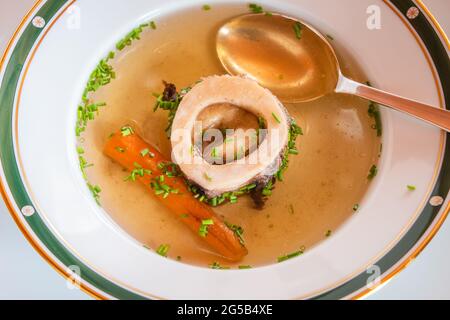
<point x="321" y="189"/>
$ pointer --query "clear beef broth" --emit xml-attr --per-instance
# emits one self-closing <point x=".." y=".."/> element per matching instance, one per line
<point x="321" y="186"/>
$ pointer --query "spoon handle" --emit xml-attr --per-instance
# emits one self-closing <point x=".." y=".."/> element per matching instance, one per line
<point x="430" y="114"/>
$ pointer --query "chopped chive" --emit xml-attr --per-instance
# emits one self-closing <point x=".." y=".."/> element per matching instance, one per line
<point x="261" y="123"/>
<point x="153" y="25"/>
<point x="206" y="7"/>
<point x="328" y="233"/>
<point x="134" y="34"/>
<point x="298" y="30"/>
<point x="217" y="266"/>
<point x="411" y="188"/>
<point x="214" y="153"/>
<point x="203" y="231"/>
<point x="291" y="255"/>
<point x="374" y="112"/>
<point x="238" y="231"/>
<point x="185" y="216"/>
<point x="127" y="131"/>
<point x="277" y="119"/>
<point x="244" y="267"/>
<point x="163" y="250"/>
<point x="111" y="55"/>
<point x="207" y="177"/>
<point x="95" y="190"/>
<point x="145" y="152"/>
<point x="254" y="8"/>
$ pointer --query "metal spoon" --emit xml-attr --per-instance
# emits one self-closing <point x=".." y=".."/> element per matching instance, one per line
<point x="298" y="64"/>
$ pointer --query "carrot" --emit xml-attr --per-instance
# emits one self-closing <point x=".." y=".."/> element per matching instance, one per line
<point x="148" y="166"/>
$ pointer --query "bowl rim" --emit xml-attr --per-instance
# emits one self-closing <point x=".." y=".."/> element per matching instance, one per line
<point x="397" y="6"/>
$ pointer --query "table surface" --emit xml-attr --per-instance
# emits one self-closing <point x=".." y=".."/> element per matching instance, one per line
<point x="27" y="276"/>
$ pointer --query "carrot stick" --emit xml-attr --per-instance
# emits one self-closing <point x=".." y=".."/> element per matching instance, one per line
<point x="147" y="165"/>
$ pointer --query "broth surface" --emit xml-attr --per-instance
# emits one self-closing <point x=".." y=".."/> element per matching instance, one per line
<point x="322" y="184"/>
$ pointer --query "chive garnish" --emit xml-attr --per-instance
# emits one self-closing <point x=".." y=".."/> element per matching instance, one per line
<point x="291" y="255"/>
<point x="214" y="153"/>
<point x="254" y="8"/>
<point x="328" y="233"/>
<point x="163" y="250"/>
<point x="95" y="190"/>
<point x="203" y="231"/>
<point x="238" y="231"/>
<point x="145" y="152"/>
<point x="262" y="123"/>
<point x="372" y="172"/>
<point x="217" y="266"/>
<point x="170" y="104"/>
<point x="206" y="7"/>
<point x="411" y="187"/>
<point x="298" y="30"/>
<point x="374" y="112"/>
<point x="137" y="172"/>
<point x="134" y="34"/>
<point x="153" y="25"/>
<point x="127" y="131"/>
<point x="207" y="177"/>
<point x="244" y="267"/>
<point x="277" y="119"/>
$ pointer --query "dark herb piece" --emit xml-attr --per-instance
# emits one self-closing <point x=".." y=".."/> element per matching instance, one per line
<point x="374" y="112"/>
<point x="169" y="100"/>
<point x="372" y="172"/>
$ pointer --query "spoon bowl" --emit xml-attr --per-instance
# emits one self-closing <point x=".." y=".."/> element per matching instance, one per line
<point x="281" y="53"/>
<point x="298" y="64"/>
